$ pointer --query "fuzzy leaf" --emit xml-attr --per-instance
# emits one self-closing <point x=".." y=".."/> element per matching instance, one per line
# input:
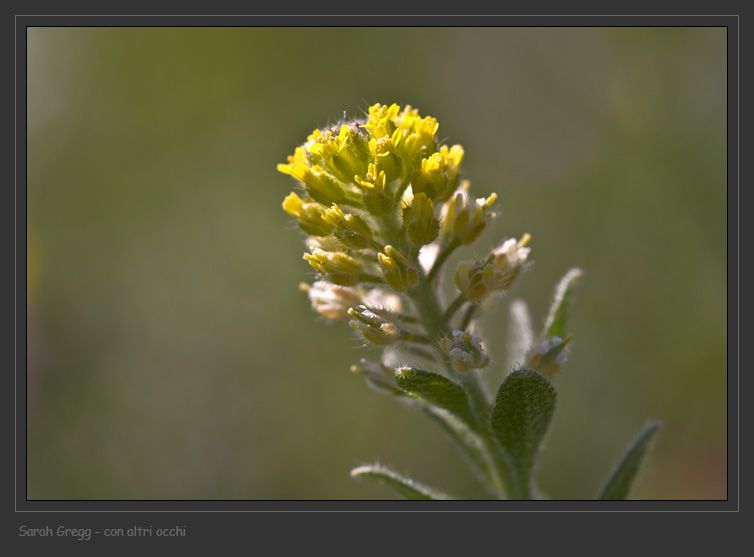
<point x="519" y="421"/>
<point x="555" y="323"/>
<point x="622" y="478"/>
<point x="436" y="389"/>
<point x="407" y="487"/>
<point x="520" y="337"/>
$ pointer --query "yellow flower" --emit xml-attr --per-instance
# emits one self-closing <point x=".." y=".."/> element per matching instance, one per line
<point x="345" y="155"/>
<point x="378" y="198"/>
<point x="337" y="267"/>
<point x="320" y="185"/>
<point x="308" y="214"/>
<point x="380" y="120"/>
<point x="438" y="174"/>
<point x="350" y="229"/>
<point x="400" y="274"/>
<point x="419" y="219"/>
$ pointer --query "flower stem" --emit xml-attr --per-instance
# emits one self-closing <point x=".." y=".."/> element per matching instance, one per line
<point x="449" y="248"/>
<point x="453" y="307"/>
<point x="468" y="316"/>
<point x="428" y="308"/>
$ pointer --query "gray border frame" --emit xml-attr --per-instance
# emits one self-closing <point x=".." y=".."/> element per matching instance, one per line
<point x="21" y="505"/>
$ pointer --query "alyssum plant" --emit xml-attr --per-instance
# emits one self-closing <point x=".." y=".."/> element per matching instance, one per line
<point x="383" y="207"/>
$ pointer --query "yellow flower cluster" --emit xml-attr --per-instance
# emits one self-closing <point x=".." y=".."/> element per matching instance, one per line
<point x="374" y="194"/>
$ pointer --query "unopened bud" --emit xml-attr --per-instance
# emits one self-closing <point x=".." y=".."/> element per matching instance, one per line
<point x="465" y="351"/>
<point x="466" y="219"/>
<point x="385" y="156"/>
<point x="319" y="184"/>
<point x="477" y="279"/>
<point x="349" y="228"/>
<point x="419" y="219"/>
<point x="547" y="355"/>
<point x="336" y="266"/>
<point x="398" y="271"/>
<point x="308" y="214"/>
<point x="378" y="199"/>
<point x="331" y="300"/>
<point x="374" y="328"/>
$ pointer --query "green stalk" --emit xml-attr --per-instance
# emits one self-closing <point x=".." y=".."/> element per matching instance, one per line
<point x="428" y="308"/>
<point x="454" y="306"/>
<point x="449" y="248"/>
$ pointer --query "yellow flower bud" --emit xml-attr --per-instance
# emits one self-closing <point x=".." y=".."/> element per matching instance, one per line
<point x="320" y="185"/>
<point x="397" y="270"/>
<point x="349" y="228"/>
<point x="378" y="199"/>
<point x="438" y="174"/>
<point x="380" y="120"/>
<point x="419" y="219"/>
<point x="417" y="139"/>
<point x="345" y="155"/>
<point x="308" y="214"/>
<point x="337" y="267"/>
<point x="386" y="158"/>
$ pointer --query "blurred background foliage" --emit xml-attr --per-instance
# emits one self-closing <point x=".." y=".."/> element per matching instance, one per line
<point x="171" y="354"/>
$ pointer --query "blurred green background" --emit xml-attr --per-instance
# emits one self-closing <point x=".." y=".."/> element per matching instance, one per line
<point x="171" y="353"/>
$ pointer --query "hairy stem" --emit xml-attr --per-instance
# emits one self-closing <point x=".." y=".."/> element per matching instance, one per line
<point x="452" y="308"/>
<point x="449" y="248"/>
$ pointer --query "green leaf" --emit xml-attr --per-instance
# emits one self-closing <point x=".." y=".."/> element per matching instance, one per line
<point x="407" y="487"/>
<point x="438" y="390"/>
<point x="521" y="336"/>
<point x="555" y="323"/>
<point x="622" y="478"/>
<point x="519" y="421"/>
